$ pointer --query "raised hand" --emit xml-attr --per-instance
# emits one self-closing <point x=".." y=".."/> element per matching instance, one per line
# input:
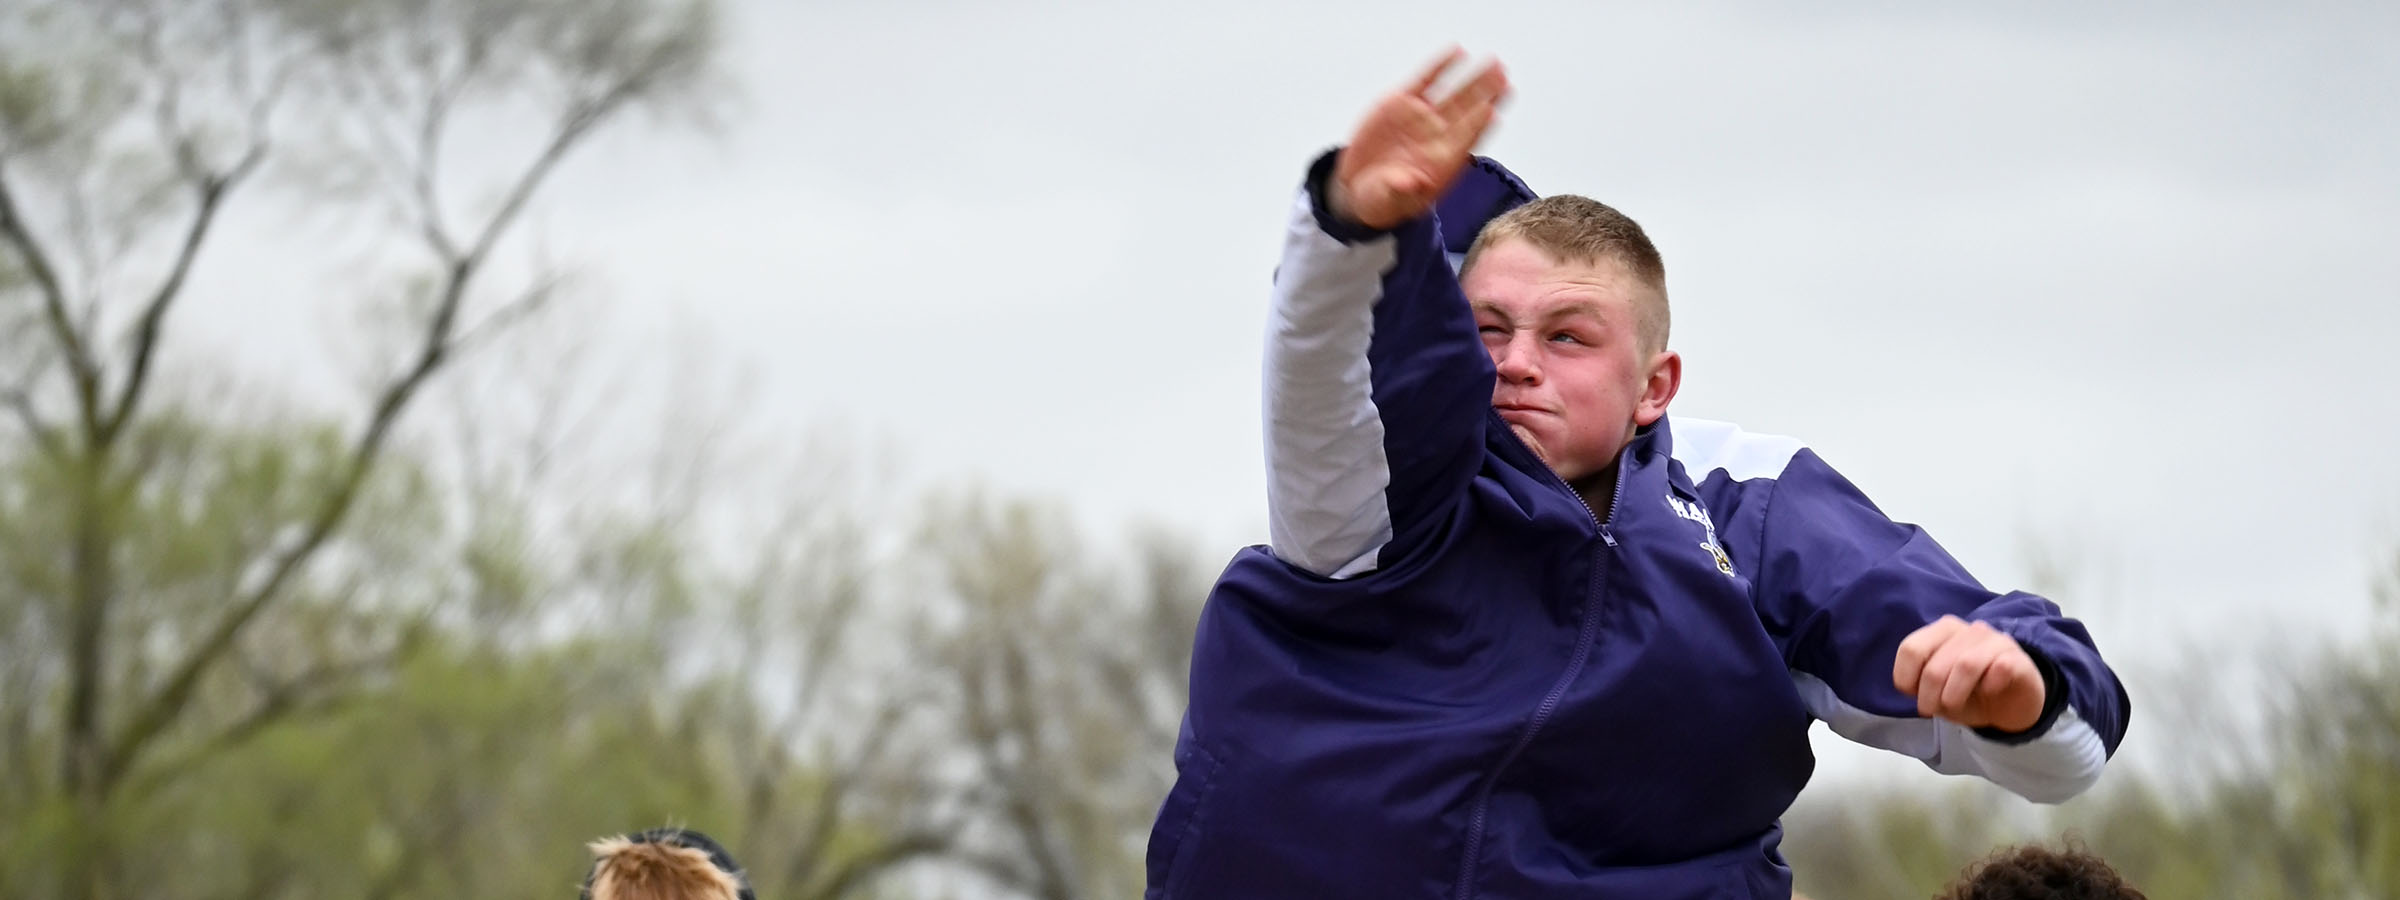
<point x="1970" y="673"/>
<point x="1412" y="145"/>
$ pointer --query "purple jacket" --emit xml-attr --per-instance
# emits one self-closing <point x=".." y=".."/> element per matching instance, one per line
<point x="1446" y="677"/>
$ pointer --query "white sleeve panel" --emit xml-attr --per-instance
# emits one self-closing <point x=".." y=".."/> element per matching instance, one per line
<point x="1326" y="470"/>
<point x="2052" y="768"/>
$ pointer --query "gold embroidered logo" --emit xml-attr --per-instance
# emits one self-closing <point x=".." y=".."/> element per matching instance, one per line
<point x="1708" y="541"/>
<point x="1724" y="563"/>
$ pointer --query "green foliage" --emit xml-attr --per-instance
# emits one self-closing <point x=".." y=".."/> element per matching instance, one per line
<point x="473" y="759"/>
<point x="469" y="774"/>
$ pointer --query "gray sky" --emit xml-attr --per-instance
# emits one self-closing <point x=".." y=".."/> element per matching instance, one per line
<point x="2120" y="282"/>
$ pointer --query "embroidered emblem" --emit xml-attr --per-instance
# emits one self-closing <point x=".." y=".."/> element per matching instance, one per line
<point x="1708" y="540"/>
<point x="1724" y="563"/>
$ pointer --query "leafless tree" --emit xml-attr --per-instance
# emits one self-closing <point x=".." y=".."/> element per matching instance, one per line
<point x="127" y="129"/>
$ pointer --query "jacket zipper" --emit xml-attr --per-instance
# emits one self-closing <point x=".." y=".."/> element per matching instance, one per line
<point x="1584" y="636"/>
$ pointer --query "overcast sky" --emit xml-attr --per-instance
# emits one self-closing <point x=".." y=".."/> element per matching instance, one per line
<point x="2121" y="282"/>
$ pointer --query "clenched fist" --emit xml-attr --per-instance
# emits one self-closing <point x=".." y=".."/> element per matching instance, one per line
<point x="1972" y="674"/>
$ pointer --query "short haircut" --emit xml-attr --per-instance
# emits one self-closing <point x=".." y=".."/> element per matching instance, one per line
<point x="2034" y="872"/>
<point x="1583" y="231"/>
<point x="664" y="864"/>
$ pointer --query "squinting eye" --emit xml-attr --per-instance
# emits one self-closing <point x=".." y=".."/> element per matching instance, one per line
<point x="1489" y="330"/>
<point x="1563" y="336"/>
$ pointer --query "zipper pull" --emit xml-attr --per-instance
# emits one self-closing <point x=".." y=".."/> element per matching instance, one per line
<point x="1608" y="537"/>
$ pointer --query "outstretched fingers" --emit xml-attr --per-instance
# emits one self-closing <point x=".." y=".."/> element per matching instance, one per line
<point x="1423" y="85"/>
<point x="1468" y="132"/>
<point x="1485" y="89"/>
<point x="1412" y="145"/>
<point x="1470" y="110"/>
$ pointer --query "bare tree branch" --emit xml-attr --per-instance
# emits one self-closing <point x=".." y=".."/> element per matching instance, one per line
<point x="368" y="84"/>
<point x="151" y="42"/>
<point x="571" y="128"/>
<point x="80" y="365"/>
<point x="825" y="816"/>
<point x="320" y="690"/>
<point x="990" y="729"/>
<point x="1123" y="680"/>
<point x="428" y="164"/>
<point x="211" y="190"/>
<point x="168" y="703"/>
<point x="825" y="633"/>
<point x="1024" y="800"/>
<point x="856" y="871"/>
<point x="526" y="305"/>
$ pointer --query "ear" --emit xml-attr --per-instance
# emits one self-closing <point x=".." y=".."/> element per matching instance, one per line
<point x="1658" y="387"/>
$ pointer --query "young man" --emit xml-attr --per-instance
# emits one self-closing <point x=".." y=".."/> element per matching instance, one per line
<point x="1519" y="635"/>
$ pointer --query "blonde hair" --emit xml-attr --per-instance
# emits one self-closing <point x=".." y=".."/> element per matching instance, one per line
<point x="1583" y="231"/>
<point x="625" y="869"/>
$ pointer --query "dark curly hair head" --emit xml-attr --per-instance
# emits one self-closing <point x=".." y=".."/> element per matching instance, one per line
<point x="2035" y="872"/>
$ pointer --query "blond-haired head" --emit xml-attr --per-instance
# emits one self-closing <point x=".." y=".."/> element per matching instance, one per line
<point x="628" y="869"/>
<point x="1586" y="232"/>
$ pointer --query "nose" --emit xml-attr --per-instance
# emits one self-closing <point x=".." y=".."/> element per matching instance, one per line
<point x="1519" y="359"/>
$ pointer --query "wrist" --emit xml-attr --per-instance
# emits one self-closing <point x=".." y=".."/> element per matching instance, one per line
<point x="1337" y="198"/>
<point x="2054" y="702"/>
<point x="1331" y="206"/>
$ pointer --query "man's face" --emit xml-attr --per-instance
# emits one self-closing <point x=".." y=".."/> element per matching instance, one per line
<point x="1575" y="379"/>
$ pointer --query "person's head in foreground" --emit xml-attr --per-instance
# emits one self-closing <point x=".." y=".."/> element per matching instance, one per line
<point x="2034" y="872"/>
<point x="663" y="864"/>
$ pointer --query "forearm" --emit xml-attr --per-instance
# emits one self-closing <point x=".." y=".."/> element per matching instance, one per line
<point x="1845" y="588"/>
<point x="1326" y="469"/>
<point x="1367" y="340"/>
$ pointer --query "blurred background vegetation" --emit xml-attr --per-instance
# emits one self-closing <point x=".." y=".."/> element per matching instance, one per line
<point x="428" y="643"/>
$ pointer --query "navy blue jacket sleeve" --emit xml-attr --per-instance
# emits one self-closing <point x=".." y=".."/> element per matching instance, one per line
<point x="1840" y="585"/>
<point x="1376" y="386"/>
